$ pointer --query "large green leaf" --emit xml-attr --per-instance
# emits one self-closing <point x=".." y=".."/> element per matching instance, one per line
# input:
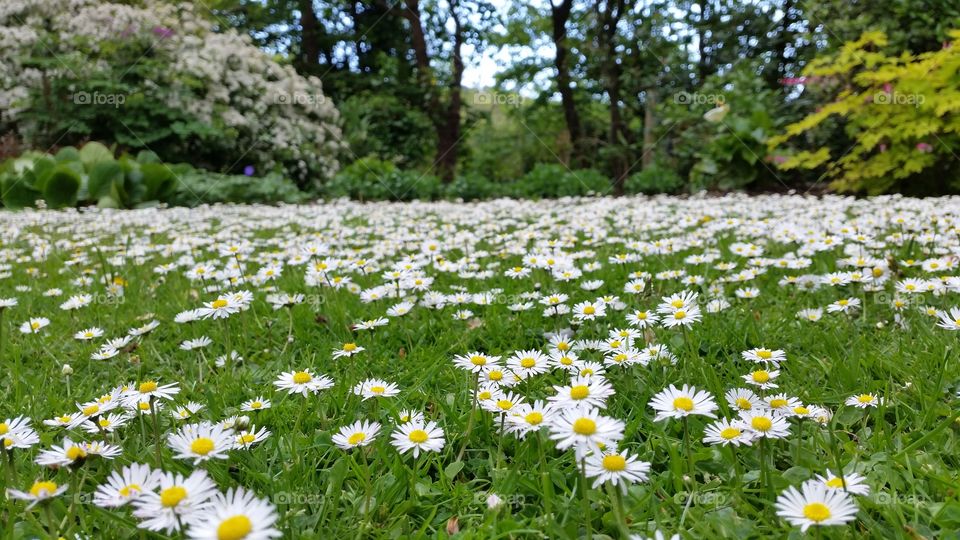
<point x="67" y="153"/>
<point x="62" y="187"/>
<point x="102" y="176"/>
<point x="94" y="152"/>
<point x="159" y="181"/>
<point x="16" y="193"/>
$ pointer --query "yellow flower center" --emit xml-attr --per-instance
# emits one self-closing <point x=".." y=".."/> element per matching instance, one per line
<point x="418" y="436"/>
<point x="496" y="375"/>
<point x="677" y="304"/>
<point x="42" y="487"/>
<point x="247" y="438"/>
<point x="528" y="363"/>
<point x="589" y="310"/>
<point x="149" y="386"/>
<point x="566" y="360"/>
<point x="579" y="392"/>
<point x="534" y="418"/>
<point x="761" y="423"/>
<point x="202" y="446"/>
<point x="91" y="410"/>
<point x="349" y="347"/>
<point x="801" y="410"/>
<point x="4" y="428"/>
<point x="302" y="377"/>
<point x="680" y="314"/>
<point x="484" y="395"/>
<point x="760" y="376"/>
<point x="478" y="360"/>
<point x="130" y="490"/>
<point x="256" y="405"/>
<point x="171" y="497"/>
<point x="764" y="354"/>
<point x="614" y="462"/>
<point x="219" y="303"/>
<point x="357" y="438"/>
<point x="730" y="433"/>
<point x="744" y="404"/>
<point x="234" y="528"/>
<point x="378" y="389"/>
<point x="865" y="398"/>
<point x="683" y="403"/>
<point x="104" y="422"/>
<point x="584" y="426"/>
<point x="835" y="482"/>
<point x="778" y="402"/>
<point x="563" y="346"/>
<point x="143" y="406"/>
<point x="816" y="512"/>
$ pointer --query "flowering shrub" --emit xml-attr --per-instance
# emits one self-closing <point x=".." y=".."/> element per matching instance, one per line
<point x="156" y="76"/>
<point x="898" y="110"/>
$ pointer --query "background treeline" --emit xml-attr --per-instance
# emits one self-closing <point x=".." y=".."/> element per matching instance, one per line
<point x="612" y="96"/>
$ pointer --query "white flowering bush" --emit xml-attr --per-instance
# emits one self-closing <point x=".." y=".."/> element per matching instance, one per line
<point x="157" y="76"/>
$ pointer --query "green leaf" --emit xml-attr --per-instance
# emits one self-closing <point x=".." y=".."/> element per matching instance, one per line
<point x="62" y="187"/>
<point x="158" y="180"/>
<point x="17" y="193"/>
<point x="67" y="153"/>
<point x="453" y="469"/>
<point x="102" y="176"/>
<point x="94" y="152"/>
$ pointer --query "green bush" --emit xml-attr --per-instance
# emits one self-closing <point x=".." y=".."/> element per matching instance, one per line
<point x="549" y="180"/>
<point x="198" y="187"/>
<point x="473" y="187"/>
<point x="373" y="179"/>
<point x="654" y="179"/>
<point x="86" y="176"/>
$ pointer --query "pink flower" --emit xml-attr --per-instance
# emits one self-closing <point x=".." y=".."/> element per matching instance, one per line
<point x="924" y="147"/>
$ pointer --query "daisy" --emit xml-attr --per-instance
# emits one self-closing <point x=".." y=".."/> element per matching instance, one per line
<point x="359" y="433"/>
<point x="69" y="453"/>
<point x="616" y="468"/>
<point x="679" y="403"/>
<point x="585" y="429"/>
<point x="743" y="399"/>
<point x="40" y="491"/>
<point x="187" y="411"/>
<point x="418" y="436"/>
<point x="200" y="442"/>
<point x="951" y="320"/>
<point x="374" y="388"/>
<point x="862" y="401"/>
<point x="370" y="324"/>
<point x="221" y="308"/>
<point x="526" y="418"/>
<point x="302" y="382"/>
<point x="583" y="391"/>
<point x="765" y="356"/>
<point x="725" y="432"/>
<point x="853" y="483"/>
<point x="236" y="515"/>
<point x="812" y="315"/>
<point x="88" y="334"/>
<point x="681" y="317"/>
<point x="528" y="363"/>
<point x="247" y="438"/>
<point x="347" y="349"/>
<point x="256" y="404"/>
<point x="34" y="325"/>
<point x="588" y="311"/>
<point x="642" y="319"/>
<point x="151" y="390"/>
<point x="475" y="362"/>
<point x="815" y="505"/>
<point x="126" y="485"/>
<point x="196" y="343"/>
<point x="504" y="403"/>
<point x="782" y="404"/>
<point x="175" y="502"/>
<point x="846" y="305"/>
<point x="763" y="424"/>
<point x="762" y="378"/>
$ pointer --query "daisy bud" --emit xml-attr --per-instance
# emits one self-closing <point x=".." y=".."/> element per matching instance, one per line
<point x="493" y="501"/>
<point x="66" y="370"/>
<point x="135" y="359"/>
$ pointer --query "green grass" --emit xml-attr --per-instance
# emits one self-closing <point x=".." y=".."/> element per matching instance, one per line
<point x="907" y="448"/>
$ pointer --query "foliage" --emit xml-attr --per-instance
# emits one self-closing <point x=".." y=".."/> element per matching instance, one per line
<point x="722" y="130"/>
<point x="654" y="179"/>
<point x="900" y="111"/>
<point x="88" y="176"/>
<point x="474" y="187"/>
<point x="373" y="179"/>
<point x="153" y="75"/>
<point x="549" y="180"/>
<point x="196" y="187"/>
<point x="385" y="127"/>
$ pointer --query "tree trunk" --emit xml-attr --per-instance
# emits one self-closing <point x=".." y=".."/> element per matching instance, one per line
<point x="448" y="131"/>
<point x="649" y="125"/>
<point x="309" y="37"/>
<point x="559" y="16"/>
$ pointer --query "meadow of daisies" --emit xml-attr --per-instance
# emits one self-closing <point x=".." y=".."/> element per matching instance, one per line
<point x="738" y="367"/>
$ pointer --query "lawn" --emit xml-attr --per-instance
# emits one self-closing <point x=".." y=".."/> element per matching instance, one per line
<point x="736" y="367"/>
